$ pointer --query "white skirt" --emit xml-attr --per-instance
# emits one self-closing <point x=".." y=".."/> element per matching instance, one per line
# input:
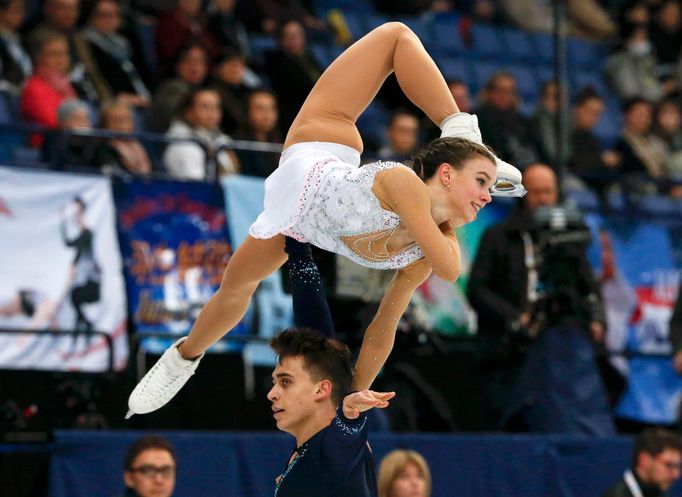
<point x="301" y="169"/>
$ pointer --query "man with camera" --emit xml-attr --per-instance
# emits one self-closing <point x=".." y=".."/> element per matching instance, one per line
<point x="539" y="316"/>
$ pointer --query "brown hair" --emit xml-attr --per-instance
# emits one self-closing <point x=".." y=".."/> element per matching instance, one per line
<point x="653" y="441"/>
<point x="143" y="443"/>
<point x="324" y="358"/>
<point x="454" y="151"/>
<point x="394" y="463"/>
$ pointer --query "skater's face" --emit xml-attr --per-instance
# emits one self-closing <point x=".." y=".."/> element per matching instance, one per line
<point x="296" y="397"/>
<point x="469" y="189"/>
<point x="152" y="474"/>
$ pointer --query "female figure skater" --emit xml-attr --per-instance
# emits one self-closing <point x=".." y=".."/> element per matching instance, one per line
<point x="381" y="215"/>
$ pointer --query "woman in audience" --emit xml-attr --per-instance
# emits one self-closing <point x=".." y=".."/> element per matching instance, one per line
<point x="404" y="473"/>
<point x="191" y="70"/>
<point x="108" y="56"/>
<point x="121" y="153"/>
<point x="261" y="126"/>
<point x="49" y="85"/>
<point x="199" y="118"/>
<point x="15" y="62"/>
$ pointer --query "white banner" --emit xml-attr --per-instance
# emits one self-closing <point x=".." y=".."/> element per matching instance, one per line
<point x="60" y="269"/>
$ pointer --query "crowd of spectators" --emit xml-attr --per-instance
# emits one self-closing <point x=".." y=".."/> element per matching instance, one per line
<point x="150" y="58"/>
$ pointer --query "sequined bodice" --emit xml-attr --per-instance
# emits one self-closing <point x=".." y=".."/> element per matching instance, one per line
<point x="343" y="215"/>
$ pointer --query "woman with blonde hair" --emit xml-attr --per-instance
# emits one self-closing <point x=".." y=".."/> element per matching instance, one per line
<point x="404" y="473"/>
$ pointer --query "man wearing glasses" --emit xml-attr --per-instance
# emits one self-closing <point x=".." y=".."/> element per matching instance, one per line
<point x="149" y="468"/>
<point x="656" y="460"/>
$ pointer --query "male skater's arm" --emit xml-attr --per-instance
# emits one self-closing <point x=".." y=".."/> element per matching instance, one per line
<point x="311" y="309"/>
<point x="380" y="335"/>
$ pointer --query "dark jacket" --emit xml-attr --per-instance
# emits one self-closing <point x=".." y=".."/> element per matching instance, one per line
<point x="621" y="489"/>
<point x="292" y="79"/>
<point x="498" y="284"/>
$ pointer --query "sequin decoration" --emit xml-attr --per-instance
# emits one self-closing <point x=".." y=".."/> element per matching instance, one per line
<point x="300" y="452"/>
<point x="347" y="429"/>
<point x="343" y="205"/>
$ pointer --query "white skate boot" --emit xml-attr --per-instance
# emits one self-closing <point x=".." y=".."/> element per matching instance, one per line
<point x="162" y="382"/>
<point x="463" y="125"/>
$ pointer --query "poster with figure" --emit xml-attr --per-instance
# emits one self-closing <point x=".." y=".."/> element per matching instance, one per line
<point x="60" y="266"/>
<point x="175" y="244"/>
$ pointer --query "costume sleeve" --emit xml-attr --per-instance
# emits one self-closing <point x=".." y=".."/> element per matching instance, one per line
<point x="344" y="442"/>
<point x="311" y="309"/>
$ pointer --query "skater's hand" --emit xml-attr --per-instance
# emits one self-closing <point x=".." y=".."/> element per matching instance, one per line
<point x="358" y="402"/>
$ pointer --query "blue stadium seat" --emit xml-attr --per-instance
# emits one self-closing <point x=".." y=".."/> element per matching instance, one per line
<point x="543" y="45"/>
<point x="526" y="80"/>
<point x="359" y="6"/>
<point x="482" y="71"/>
<point x="261" y="43"/>
<point x="518" y="45"/>
<point x="585" y="54"/>
<point x="420" y="27"/>
<point x="356" y="23"/>
<point x="659" y="205"/>
<point x="445" y="37"/>
<point x="456" y="68"/>
<point x="545" y="73"/>
<point x="375" y="20"/>
<point x="579" y="79"/>
<point x="321" y="53"/>
<point x="486" y="42"/>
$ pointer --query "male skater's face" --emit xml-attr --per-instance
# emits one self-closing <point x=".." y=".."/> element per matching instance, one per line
<point x="294" y="395"/>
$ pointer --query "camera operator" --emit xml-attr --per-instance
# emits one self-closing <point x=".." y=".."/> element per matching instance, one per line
<point x="539" y="315"/>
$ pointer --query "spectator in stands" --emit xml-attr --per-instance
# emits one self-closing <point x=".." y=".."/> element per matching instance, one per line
<point x="64" y="149"/>
<point x="62" y="16"/>
<point x="543" y="123"/>
<point x="676" y="332"/>
<point x="656" y="460"/>
<point x="666" y="36"/>
<point x="668" y="134"/>
<point x="191" y="70"/>
<point x="538" y="351"/>
<point x="404" y="473"/>
<point x="586" y="18"/>
<point x="261" y="127"/>
<point x="15" y="62"/>
<point x="228" y="81"/>
<point x="506" y="129"/>
<point x="266" y="15"/>
<point x="311" y="401"/>
<point x="642" y="158"/>
<point x="199" y="118"/>
<point x="588" y="158"/>
<point x="49" y="85"/>
<point x="227" y="29"/>
<point x="108" y="56"/>
<point x="460" y="90"/>
<point x="177" y="27"/>
<point x="631" y="70"/>
<point x="402" y="137"/>
<point x="121" y="153"/>
<point x="149" y="468"/>
<point x="292" y="70"/>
